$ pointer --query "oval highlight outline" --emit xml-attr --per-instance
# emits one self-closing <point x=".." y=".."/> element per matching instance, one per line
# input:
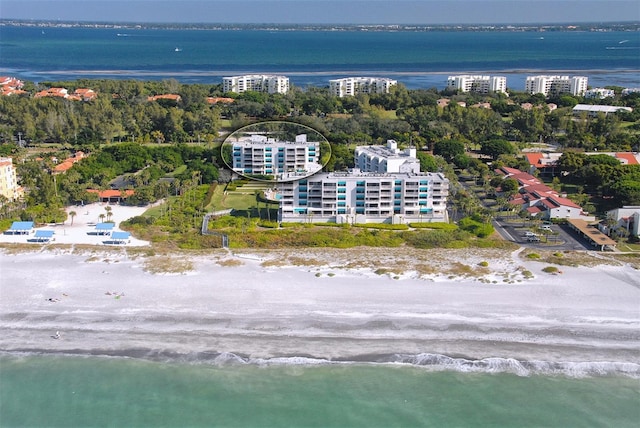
<point x="276" y="151"/>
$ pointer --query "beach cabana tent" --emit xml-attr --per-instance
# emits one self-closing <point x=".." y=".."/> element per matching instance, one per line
<point x="20" y="228"/>
<point x="43" y="235"/>
<point x="120" y="237"/>
<point x="104" y="228"/>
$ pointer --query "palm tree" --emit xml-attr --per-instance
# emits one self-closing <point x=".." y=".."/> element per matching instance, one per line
<point x="72" y="214"/>
<point x="108" y="210"/>
<point x="101" y="216"/>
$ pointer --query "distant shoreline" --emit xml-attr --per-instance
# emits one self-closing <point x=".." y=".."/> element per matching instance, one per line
<point x="632" y="26"/>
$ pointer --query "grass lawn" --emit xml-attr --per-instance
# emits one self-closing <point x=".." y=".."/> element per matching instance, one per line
<point x="625" y="246"/>
<point x="225" y="124"/>
<point x="177" y="171"/>
<point x="236" y="199"/>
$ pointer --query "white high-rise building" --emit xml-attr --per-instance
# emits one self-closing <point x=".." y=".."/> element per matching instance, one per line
<point x="351" y="86"/>
<point x="256" y="82"/>
<point x="364" y="197"/>
<point x="386" y="159"/>
<point x="555" y="85"/>
<point x="479" y="84"/>
<point x="260" y="155"/>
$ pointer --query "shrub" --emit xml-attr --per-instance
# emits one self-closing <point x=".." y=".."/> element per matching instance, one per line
<point x="473" y="225"/>
<point x="435" y="225"/>
<point x="527" y="274"/>
<point x="268" y="224"/>
<point x="550" y="269"/>
<point x="383" y="226"/>
<point x="483" y="264"/>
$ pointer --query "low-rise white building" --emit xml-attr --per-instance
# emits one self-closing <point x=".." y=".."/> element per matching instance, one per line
<point x="271" y="84"/>
<point x="479" y="84"/>
<point x="357" y="197"/>
<point x="386" y="158"/>
<point x="593" y="110"/>
<point x="555" y="85"/>
<point x="627" y="221"/>
<point x="351" y="86"/>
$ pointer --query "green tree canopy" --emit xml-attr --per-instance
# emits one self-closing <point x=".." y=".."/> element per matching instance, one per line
<point x="496" y="147"/>
<point x="449" y="149"/>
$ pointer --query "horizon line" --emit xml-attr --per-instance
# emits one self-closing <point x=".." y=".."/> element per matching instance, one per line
<point x="281" y="24"/>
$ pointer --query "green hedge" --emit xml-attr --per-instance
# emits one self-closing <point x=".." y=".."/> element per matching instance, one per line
<point x="382" y="226"/>
<point x="434" y="225"/>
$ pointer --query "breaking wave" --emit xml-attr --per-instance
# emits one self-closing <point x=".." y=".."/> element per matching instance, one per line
<point x="433" y="362"/>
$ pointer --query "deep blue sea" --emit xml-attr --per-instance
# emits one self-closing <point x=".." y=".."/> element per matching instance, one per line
<point x="311" y="58"/>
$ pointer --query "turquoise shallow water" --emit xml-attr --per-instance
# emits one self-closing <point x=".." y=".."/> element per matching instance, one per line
<point x="91" y="391"/>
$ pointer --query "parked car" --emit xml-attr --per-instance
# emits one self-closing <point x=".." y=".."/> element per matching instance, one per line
<point x="546" y="227"/>
<point x="529" y="234"/>
<point x="533" y="239"/>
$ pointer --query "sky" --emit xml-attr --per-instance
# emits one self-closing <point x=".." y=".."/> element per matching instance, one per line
<point x="420" y="12"/>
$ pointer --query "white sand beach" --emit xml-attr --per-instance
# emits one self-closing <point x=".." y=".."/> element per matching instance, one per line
<point x="360" y="304"/>
<point x="80" y="229"/>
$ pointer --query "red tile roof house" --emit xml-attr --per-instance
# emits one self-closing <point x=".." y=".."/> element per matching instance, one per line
<point x="112" y="196"/>
<point x="222" y="100"/>
<point x="53" y="92"/>
<point x="66" y="164"/>
<point x="85" y="94"/>
<point x="11" y="86"/>
<point x="174" y="97"/>
<point x="539" y="200"/>
<point x="547" y="163"/>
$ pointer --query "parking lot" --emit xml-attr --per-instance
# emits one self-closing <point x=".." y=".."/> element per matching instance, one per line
<point x="548" y="236"/>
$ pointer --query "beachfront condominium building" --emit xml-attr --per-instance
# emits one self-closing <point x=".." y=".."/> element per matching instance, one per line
<point x="351" y="86"/>
<point x="357" y="197"/>
<point x="256" y="82"/>
<point x="479" y="84"/>
<point x="599" y="93"/>
<point x="386" y="158"/>
<point x="555" y="85"/>
<point x="260" y="155"/>
<point x="8" y="183"/>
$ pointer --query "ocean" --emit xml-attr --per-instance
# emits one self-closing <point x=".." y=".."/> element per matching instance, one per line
<point x="56" y="391"/>
<point x="311" y="58"/>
